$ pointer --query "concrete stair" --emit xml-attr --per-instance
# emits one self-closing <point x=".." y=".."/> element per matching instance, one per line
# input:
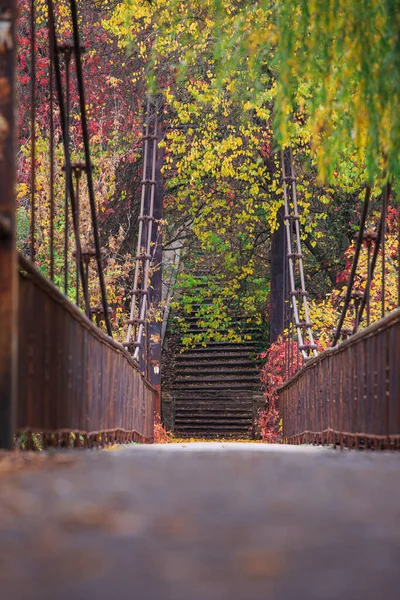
<point x="214" y="390"/>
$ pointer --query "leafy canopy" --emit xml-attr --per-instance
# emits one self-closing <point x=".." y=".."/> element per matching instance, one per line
<point x="335" y="67"/>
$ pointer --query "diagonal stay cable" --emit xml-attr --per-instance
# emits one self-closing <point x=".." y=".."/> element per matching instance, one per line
<point x="60" y="96"/>
<point x="354" y="265"/>
<point x="85" y="134"/>
<point x="378" y="242"/>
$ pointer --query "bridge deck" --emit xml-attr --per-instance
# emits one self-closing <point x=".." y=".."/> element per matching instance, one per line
<point x="200" y="522"/>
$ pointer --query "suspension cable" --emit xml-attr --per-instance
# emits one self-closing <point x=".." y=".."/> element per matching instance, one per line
<point x="350" y="283"/>
<point x="386" y="193"/>
<point x="89" y="175"/>
<point x="60" y="97"/>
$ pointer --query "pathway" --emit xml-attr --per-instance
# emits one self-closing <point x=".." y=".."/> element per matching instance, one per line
<point x="200" y="522"/>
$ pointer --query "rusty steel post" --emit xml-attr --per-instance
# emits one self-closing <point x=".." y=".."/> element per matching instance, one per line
<point x="154" y="358"/>
<point x="8" y="255"/>
<point x="51" y="150"/>
<point x="150" y="118"/>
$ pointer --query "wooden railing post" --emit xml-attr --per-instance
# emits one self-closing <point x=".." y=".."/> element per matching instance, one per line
<point x="8" y="256"/>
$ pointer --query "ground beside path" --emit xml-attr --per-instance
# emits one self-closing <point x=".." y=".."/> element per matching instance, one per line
<point x="200" y="522"/>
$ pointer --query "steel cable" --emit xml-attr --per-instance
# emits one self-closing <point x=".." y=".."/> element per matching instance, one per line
<point x="374" y="259"/>
<point x="353" y="266"/>
<point x="89" y="176"/>
<point x="60" y="96"/>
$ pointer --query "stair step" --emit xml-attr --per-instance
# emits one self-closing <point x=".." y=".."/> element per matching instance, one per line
<point x="244" y="344"/>
<point x="215" y="386"/>
<point x="214" y="426"/>
<point x="210" y="416"/>
<point x="186" y="401"/>
<point x="240" y="331"/>
<point x="219" y="426"/>
<point x="216" y="382"/>
<point x="190" y="415"/>
<point x="229" y="374"/>
<point x="219" y="352"/>
<point x="211" y="426"/>
<point x="215" y="437"/>
<point x="220" y="348"/>
<point x="223" y="374"/>
<point x="217" y="418"/>
<point x="221" y="429"/>
<point x="206" y="384"/>
<point x="212" y="406"/>
<point x="195" y="410"/>
<point x="220" y="362"/>
<point x="188" y="408"/>
<point x="224" y="379"/>
<point x="206" y="395"/>
<point x="204" y="404"/>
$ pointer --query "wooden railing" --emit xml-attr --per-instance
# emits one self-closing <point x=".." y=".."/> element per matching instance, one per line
<point x="76" y="386"/>
<point x="350" y="394"/>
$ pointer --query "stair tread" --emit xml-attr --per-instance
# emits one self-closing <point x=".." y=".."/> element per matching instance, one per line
<point x="181" y="396"/>
<point x="222" y="377"/>
<point x="219" y="368"/>
<point x="215" y="383"/>
<point x="201" y="362"/>
<point x="214" y="419"/>
<point x="229" y="343"/>
<point x="210" y="385"/>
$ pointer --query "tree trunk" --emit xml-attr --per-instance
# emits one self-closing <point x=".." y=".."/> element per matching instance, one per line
<point x="277" y="275"/>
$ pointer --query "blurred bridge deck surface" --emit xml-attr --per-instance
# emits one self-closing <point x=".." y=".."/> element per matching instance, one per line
<point x="209" y="521"/>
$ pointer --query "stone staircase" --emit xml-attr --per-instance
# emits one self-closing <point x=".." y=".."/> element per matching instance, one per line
<point x="216" y="390"/>
<point x="212" y="390"/>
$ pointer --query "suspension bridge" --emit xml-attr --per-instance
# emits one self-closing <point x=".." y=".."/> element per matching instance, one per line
<point x="204" y="521"/>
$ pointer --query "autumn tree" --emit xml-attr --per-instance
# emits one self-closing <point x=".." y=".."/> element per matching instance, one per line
<point x="219" y="66"/>
<point x="114" y="119"/>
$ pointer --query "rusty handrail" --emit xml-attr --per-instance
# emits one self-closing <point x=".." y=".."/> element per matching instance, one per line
<point x="349" y="394"/>
<point x="384" y="323"/>
<point x="77" y="386"/>
<point x="54" y="291"/>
